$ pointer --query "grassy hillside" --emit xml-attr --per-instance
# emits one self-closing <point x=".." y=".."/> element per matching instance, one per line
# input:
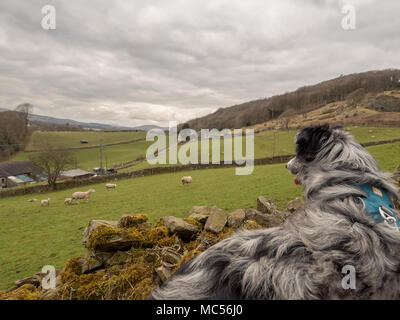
<point x="34" y="236"/>
<point x="387" y="155"/>
<point x="264" y="145"/>
<point x="373" y="109"/>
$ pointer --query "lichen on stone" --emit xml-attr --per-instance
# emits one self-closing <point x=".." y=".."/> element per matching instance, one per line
<point x="101" y="235"/>
<point x="25" y="292"/>
<point x="194" y="222"/>
<point x="128" y="221"/>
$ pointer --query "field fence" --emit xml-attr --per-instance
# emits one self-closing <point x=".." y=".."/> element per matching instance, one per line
<point x="91" y="147"/>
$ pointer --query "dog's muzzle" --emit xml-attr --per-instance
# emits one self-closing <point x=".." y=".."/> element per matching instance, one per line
<point x="293" y="166"/>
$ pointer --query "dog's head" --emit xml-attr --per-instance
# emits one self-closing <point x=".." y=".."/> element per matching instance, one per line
<point x="309" y="141"/>
<point x="328" y="147"/>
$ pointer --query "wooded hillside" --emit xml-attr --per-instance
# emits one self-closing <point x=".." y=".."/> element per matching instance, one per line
<point x="300" y="101"/>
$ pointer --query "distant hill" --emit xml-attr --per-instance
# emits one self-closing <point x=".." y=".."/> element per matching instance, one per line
<point x="34" y="118"/>
<point x="149" y="127"/>
<point x="301" y="101"/>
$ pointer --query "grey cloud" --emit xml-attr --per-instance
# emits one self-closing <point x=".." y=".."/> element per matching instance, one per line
<point x="138" y="62"/>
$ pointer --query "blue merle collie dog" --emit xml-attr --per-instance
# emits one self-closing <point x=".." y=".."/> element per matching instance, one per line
<point x="348" y="220"/>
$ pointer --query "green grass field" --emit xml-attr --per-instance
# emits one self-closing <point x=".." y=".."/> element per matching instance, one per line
<point x="33" y="236"/>
<point x="72" y="139"/>
<point x="112" y="155"/>
<point x="264" y="145"/>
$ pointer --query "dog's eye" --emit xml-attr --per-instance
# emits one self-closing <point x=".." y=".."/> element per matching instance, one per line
<point x="309" y="159"/>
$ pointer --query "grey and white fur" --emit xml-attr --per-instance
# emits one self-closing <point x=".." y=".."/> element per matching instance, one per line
<point x="303" y="258"/>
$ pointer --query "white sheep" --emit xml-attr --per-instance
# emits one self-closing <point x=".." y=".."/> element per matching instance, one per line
<point x="186" y="179"/>
<point x="45" y="202"/>
<point x="68" y="201"/>
<point x="111" y="186"/>
<point x="33" y="200"/>
<point x="82" y="195"/>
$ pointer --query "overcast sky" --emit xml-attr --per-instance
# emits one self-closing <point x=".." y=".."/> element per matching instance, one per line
<point x="137" y="62"/>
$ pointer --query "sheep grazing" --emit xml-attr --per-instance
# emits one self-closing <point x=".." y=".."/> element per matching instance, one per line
<point x="186" y="179"/>
<point x="68" y="201"/>
<point x="33" y="200"/>
<point x="45" y="202"/>
<point x="111" y="186"/>
<point x="82" y="195"/>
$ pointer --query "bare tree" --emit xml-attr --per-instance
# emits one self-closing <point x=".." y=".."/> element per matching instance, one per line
<point x="25" y="109"/>
<point x="53" y="161"/>
<point x="286" y="122"/>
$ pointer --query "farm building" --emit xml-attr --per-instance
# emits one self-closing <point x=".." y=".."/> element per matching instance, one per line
<point x="75" y="174"/>
<point x="14" y="173"/>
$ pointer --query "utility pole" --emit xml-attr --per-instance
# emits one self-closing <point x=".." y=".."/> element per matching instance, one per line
<point x="273" y="147"/>
<point x="101" y="155"/>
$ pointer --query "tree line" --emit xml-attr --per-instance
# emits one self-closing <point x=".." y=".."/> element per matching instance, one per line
<point x="46" y="126"/>
<point x="14" y="130"/>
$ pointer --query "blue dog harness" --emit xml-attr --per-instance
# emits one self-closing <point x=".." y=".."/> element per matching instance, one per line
<point x="378" y="205"/>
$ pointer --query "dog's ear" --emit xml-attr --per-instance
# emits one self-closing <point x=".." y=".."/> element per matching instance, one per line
<point x="302" y="142"/>
<point x="310" y="140"/>
<point x="323" y="132"/>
